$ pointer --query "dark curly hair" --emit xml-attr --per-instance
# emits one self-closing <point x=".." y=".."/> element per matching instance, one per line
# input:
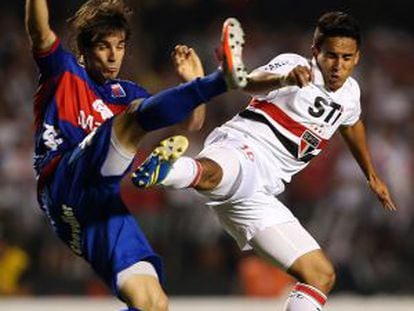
<point x="97" y="19"/>
<point x="336" y="24"/>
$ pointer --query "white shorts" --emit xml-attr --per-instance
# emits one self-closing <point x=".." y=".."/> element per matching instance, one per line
<point x="252" y="205"/>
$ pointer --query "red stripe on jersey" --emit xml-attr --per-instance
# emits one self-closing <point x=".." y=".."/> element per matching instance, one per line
<point x="50" y="50"/>
<point x="280" y="117"/>
<point x="41" y="98"/>
<point x="74" y="95"/>
<point x="308" y="290"/>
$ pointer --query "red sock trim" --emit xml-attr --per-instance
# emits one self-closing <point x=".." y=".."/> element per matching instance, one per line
<point x="310" y="291"/>
<point x="197" y="178"/>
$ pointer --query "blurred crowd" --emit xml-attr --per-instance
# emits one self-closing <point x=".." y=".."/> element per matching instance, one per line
<point x="371" y="248"/>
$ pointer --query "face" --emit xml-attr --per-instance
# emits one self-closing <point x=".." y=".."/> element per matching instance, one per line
<point x="337" y="58"/>
<point x="103" y="61"/>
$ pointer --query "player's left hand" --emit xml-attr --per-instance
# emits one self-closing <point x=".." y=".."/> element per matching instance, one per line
<point x="382" y="192"/>
<point x="300" y="76"/>
<point x="187" y="63"/>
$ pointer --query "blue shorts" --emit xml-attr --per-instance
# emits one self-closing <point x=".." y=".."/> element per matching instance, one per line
<point x="87" y="213"/>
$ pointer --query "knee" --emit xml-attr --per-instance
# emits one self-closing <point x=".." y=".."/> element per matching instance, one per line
<point x="316" y="270"/>
<point x="212" y="175"/>
<point x="322" y="277"/>
<point x="151" y="302"/>
<point x="144" y="293"/>
<point x="161" y="304"/>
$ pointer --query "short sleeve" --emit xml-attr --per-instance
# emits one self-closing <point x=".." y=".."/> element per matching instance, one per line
<point x="283" y="64"/>
<point x="54" y="61"/>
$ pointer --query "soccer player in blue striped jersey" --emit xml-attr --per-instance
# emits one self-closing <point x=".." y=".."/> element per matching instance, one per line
<point x="88" y="124"/>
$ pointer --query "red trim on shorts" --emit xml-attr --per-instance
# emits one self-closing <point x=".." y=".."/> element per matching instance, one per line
<point x="279" y="116"/>
<point x="197" y="177"/>
<point x="310" y="291"/>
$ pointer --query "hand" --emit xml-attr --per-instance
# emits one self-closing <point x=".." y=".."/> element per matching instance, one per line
<point x="382" y="192"/>
<point x="187" y="63"/>
<point x="300" y="76"/>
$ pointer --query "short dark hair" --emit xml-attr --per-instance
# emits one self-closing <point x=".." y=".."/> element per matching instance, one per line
<point x="336" y="24"/>
<point x="97" y="19"/>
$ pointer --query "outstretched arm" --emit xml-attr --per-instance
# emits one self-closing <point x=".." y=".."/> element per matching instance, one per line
<point x="355" y="138"/>
<point x="259" y="82"/>
<point x="37" y="25"/>
<point x="188" y="66"/>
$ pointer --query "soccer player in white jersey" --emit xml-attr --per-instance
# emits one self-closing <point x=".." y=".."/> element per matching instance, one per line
<point x="297" y="106"/>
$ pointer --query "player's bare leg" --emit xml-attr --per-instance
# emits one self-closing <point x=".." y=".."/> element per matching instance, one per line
<point x="211" y="175"/>
<point x="317" y="277"/>
<point x="144" y="292"/>
<point x="315" y="269"/>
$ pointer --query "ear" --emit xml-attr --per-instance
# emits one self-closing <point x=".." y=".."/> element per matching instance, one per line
<point x="81" y="60"/>
<point x="357" y="55"/>
<point x="315" y="51"/>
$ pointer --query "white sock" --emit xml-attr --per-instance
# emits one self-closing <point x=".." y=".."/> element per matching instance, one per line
<point x="305" y="297"/>
<point x="185" y="172"/>
<point x="117" y="159"/>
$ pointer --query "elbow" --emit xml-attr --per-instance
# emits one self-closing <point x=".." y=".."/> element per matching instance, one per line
<point x="195" y="122"/>
<point x="195" y="127"/>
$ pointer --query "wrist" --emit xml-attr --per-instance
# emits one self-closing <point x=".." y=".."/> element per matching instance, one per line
<point x="284" y="81"/>
<point x="371" y="177"/>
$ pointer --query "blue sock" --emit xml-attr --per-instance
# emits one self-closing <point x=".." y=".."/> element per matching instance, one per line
<point x="131" y="309"/>
<point x="174" y="105"/>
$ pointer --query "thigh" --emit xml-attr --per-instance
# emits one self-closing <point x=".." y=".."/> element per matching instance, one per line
<point x="75" y="194"/>
<point x="115" y="243"/>
<point x="284" y="243"/>
<point x="87" y="213"/>
<point x="244" y="219"/>
<point x="104" y="233"/>
<point x="83" y="164"/>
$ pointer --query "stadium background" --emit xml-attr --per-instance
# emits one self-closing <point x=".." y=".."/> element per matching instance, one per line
<point x="373" y="251"/>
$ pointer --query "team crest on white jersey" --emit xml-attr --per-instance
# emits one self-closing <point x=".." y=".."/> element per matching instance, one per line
<point x="308" y="143"/>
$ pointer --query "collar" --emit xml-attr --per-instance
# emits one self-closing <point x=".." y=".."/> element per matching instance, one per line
<point x="317" y="74"/>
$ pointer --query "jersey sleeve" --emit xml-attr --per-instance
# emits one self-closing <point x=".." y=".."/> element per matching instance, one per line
<point x="54" y="61"/>
<point x="283" y="64"/>
<point x="354" y="112"/>
<point x="280" y="65"/>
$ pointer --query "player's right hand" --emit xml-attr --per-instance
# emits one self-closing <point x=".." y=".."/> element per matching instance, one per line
<point x="382" y="192"/>
<point x="300" y="76"/>
<point x="187" y="63"/>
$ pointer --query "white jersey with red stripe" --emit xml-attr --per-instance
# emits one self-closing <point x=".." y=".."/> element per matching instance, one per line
<point x="299" y="121"/>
